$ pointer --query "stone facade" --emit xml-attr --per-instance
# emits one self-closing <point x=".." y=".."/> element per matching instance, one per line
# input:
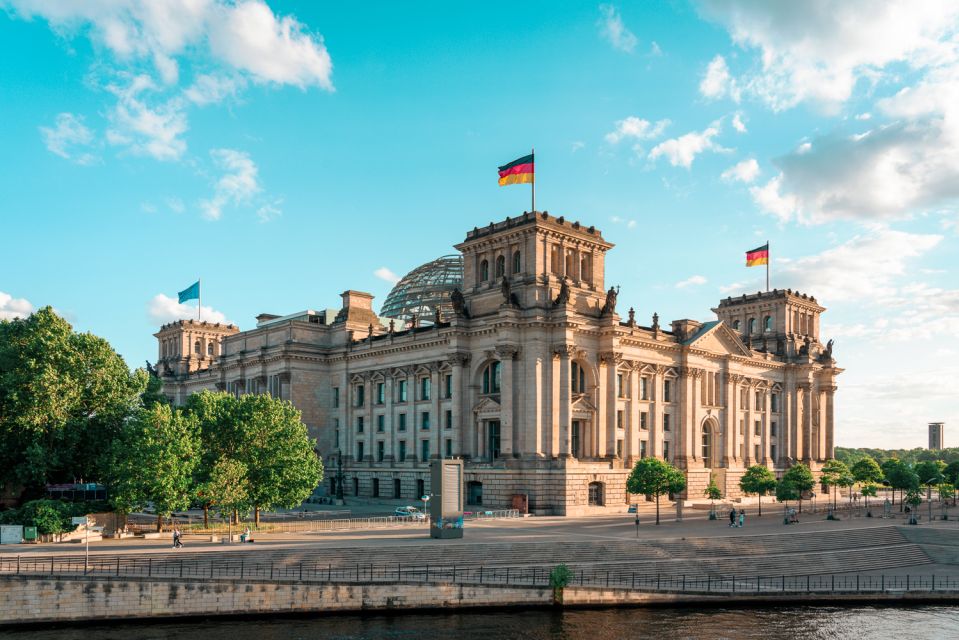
<point x="537" y="382"/>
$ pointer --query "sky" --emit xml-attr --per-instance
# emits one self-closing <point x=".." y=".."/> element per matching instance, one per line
<point x="287" y="151"/>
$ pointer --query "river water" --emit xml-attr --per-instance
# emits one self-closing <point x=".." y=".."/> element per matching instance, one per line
<point x="927" y="622"/>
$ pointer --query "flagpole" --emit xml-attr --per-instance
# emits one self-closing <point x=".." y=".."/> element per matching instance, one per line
<point x="533" y="183"/>
<point x="768" y="259"/>
<point x="199" y="300"/>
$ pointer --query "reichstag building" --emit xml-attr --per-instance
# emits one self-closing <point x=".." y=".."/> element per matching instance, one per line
<point x="515" y="356"/>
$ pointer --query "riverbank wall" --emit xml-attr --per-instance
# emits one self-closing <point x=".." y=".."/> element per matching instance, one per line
<point x="26" y="600"/>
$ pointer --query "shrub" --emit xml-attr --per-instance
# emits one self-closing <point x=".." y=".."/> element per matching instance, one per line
<point x="560" y="576"/>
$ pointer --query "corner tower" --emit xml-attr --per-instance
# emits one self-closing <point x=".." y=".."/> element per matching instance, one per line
<point x="781" y="321"/>
<point x="186" y="346"/>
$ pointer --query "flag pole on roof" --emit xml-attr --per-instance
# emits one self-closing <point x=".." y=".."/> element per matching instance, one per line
<point x="757" y="257"/>
<point x="520" y="171"/>
<point x="191" y="293"/>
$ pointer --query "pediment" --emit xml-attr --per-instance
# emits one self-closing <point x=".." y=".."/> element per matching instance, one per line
<point x="583" y="403"/>
<point x="716" y="337"/>
<point x="487" y="404"/>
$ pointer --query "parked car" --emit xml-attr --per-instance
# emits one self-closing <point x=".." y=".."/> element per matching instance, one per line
<point x="410" y="512"/>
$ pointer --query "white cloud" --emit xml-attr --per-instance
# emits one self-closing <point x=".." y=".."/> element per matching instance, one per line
<point x="630" y="224"/>
<point x="745" y="171"/>
<point x="770" y="199"/>
<point x="213" y="89"/>
<point x="738" y="123"/>
<point x="636" y="128"/>
<point x="238" y="184"/>
<point x="163" y="309"/>
<point x="691" y="281"/>
<point x="577" y="145"/>
<point x="683" y="150"/>
<point x="611" y="27"/>
<point x="270" y="210"/>
<point x="176" y="205"/>
<point x="148" y="130"/>
<point x="818" y="50"/>
<point x="66" y="135"/>
<point x="863" y="116"/>
<point x="384" y="273"/>
<point x="11" y="308"/>
<point x="717" y="82"/>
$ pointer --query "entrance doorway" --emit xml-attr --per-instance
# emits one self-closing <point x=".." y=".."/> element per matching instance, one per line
<point x="420" y="489"/>
<point x="575" y="439"/>
<point x="474" y="492"/>
<point x="493" y="439"/>
<point x="396" y="488"/>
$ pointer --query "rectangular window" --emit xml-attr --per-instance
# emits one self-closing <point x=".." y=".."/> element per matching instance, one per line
<point x="643" y="421"/>
<point x="772" y="452"/>
<point x="402" y="450"/>
<point x="667" y="390"/>
<point x="619" y="419"/>
<point x="381" y="423"/>
<point x="644" y="388"/>
<point x="759" y="401"/>
<point x="380" y="450"/>
<point x="359" y="451"/>
<point x="425" y="450"/>
<point x="376" y="487"/>
<point x="642" y="448"/>
<point x="744" y="398"/>
<point x="758" y="428"/>
<point x="756" y="450"/>
<point x="665" y="449"/>
<point x="773" y="428"/>
<point x="336" y="397"/>
<point x="425" y="420"/>
<point x="360" y="395"/>
<point x="742" y="427"/>
<point x="424" y="389"/>
<point x="449" y="419"/>
<point x="380" y="392"/>
<point x="359" y="424"/>
<point x="774" y="402"/>
<point x="448" y="380"/>
<point x="665" y="422"/>
<point x="449" y="448"/>
<point x="336" y="434"/>
<point x="619" y="448"/>
<point x="401" y="391"/>
<point x="402" y="425"/>
<point x="620" y="386"/>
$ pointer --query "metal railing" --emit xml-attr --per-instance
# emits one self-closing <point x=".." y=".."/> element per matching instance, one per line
<point x="257" y="569"/>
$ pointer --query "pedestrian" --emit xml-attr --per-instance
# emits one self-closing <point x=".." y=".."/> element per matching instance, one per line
<point x="742" y="517"/>
<point x="177" y="543"/>
<point x="732" y="517"/>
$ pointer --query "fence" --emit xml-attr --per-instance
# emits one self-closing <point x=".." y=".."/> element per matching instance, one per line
<point x="219" y="568"/>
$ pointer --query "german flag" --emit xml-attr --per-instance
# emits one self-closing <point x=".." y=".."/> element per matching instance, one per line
<point x="758" y="256"/>
<point x="519" y="171"/>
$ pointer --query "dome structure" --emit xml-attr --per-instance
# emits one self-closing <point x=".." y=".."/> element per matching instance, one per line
<point x="424" y="289"/>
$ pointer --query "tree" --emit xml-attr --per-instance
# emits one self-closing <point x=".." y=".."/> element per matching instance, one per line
<point x="866" y="471"/>
<point x="834" y="473"/>
<point x="222" y="438"/>
<point x="786" y="490"/>
<point x="930" y="472"/>
<point x="900" y="476"/>
<point x="153" y="461"/>
<point x="800" y="477"/>
<point x="225" y="489"/>
<point x="63" y="397"/>
<point x="655" y="477"/>
<point x="868" y="491"/>
<point x="759" y="480"/>
<point x="951" y="473"/>
<point x="50" y="517"/>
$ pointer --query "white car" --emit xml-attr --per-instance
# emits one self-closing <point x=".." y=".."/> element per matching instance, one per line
<point x="410" y="512"/>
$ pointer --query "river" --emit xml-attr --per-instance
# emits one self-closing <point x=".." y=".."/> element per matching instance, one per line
<point x="780" y="623"/>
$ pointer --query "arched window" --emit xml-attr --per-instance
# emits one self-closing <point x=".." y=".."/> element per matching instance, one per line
<point x="209" y="348"/>
<point x="500" y="267"/>
<point x="707" y="445"/>
<point x="197" y="348"/>
<point x="484" y="270"/>
<point x="578" y="378"/>
<point x="751" y="327"/>
<point x="491" y="378"/>
<point x="517" y="262"/>
<point x="596" y="497"/>
<point x="768" y="323"/>
<point x="736" y="325"/>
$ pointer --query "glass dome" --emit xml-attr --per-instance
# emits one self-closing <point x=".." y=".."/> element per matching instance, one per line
<point x="424" y="289"/>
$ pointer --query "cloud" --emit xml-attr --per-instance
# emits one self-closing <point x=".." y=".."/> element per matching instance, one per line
<point x="745" y="171"/>
<point x="153" y="131"/>
<point x="237" y="185"/>
<point x="611" y="27"/>
<point x="630" y="224"/>
<point x="683" y="150"/>
<point x="269" y="210"/>
<point x="163" y="309"/>
<point x="717" y="82"/>
<point x="636" y="128"/>
<point x="691" y="281"/>
<point x="12" y="308"/>
<point x="818" y="51"/>
<point x="68" y="133"/>
<point x="738" y="123"/>
<point x="213" y="89"/>
<point x="384" y="273"/>
<point x="576" y="146"/>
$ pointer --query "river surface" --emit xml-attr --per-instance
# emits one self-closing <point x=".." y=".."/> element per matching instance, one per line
<point x="930" y="622"/>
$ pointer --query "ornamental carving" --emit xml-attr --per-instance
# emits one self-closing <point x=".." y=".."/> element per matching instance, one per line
<point x="610" y="357"/>
<point x="506" y="351"/>
<point x="459" y="358"/>
<point x="566" y="351"/>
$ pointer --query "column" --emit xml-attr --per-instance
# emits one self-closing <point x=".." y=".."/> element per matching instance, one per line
<point x="507" y="355"/>
<point x="656" y="434"/>
<point x="390" y="445"/>
<point x="436" y="420"/>
<point x="787" y="437"/>
<point x="457" y="404"/>
<point x="767" y="436"/>
<point x="822" y="448"/>
<point x="731" y="426"/>
<point x="564" y="352"/>
<point x="830" y="443"/>
<point x="607" y="440"/>
<point x="633" y="434"/>
<point x="803" y="422"/>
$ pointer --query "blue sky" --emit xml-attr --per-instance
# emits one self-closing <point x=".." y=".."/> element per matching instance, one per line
<point x="287" y="151"/>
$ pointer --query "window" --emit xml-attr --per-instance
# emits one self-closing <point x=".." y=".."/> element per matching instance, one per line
<point x="619" y="448"/>
<point x="209" y="348"/>
<point x="402" y="450"/>
<point x="772" y="428"/>
<point x="380" y="392"/>
<point x="768" y="324"/>
<point x="420" y="488"/>
<point x="448" y="383"/>
<point x="336" y="397"/>
<point x="772" y="452"/>
<point x="424" y="450"/>
<point x="620" y="386"/>
<point x="336" y="433"/>
<point x="736" y="325"/>
<point x="425" y="420"/>
<point x="376" y="487"/>
<point x="665" y="422"/>
<point x="359" y="424"/>
<point x="424" y="388"/>
<point x="578" y="378"/>
<point x="595" y="494"/>
<point x="642" y="448"/>
<point x="493" y="438"/>
<point x="574" y="439"/>
<point x="644" y="388"/>
<point x="356" y="486"/>
<point x="197" y="348"/>
<point x="742" y="427"/>
<point x="517" y="262"/>
<point x="619" y="419"/>
<point x="401" y="391"/>
<point x="667" y="390"/>
<point x="756" y="452"/>
<point x="774" y="402"/>
<point x="554" y="263"/>
<point x="402" y="424"/>
<point x="500" y="266"/>
<point x="360" y="395"/>
<point x="380" y="423"/>
<point x="751" y="326"/>
<point x="449" y="448"/>
<point x="665" y="449"/>
<point x="397" y="488"/>
<point x="707" y="445"/>
<point x="643" y="421"/>
<point x="380" y="450"/>
<point x="491" y="378"/>
<point x="759" y="401"/>
<point x="359" y="451"/>
<point x="758" y="428"/>
<point x="484" y="270"/>
<point x="584" y="270"/>
<point x="744" y="398"/>
<point x="449" y="419"/>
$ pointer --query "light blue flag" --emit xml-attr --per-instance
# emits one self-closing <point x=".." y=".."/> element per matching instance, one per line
<point x="190" y="293"/>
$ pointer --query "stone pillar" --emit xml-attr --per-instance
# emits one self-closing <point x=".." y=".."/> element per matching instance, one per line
<point x="748" y="427"/>
<point x="822" y="448"/>
<point x="605" y="445"/>
<point x="458" y="406"/>
<point x="830" y="442"/>
<point x="767" y="435"/>
<point x="787" y="437"/>
<point x="656" y="412"/>
<point x="633" y="434"/>
<point x="564" y="352"/>
<point x="436" y="420"/>
<point x="507" y="355"/>
<point x="390" y="435"/>
<point x="804" y="441"/>
<point x="731" y="423"/>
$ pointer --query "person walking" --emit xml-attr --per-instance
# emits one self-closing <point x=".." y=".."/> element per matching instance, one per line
<point x="742" y="517"/>
<point x="177" y="543"/>
<point x="732" y="517"/>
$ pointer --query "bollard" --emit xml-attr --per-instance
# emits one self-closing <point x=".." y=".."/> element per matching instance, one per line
<point x="18" y="564"/>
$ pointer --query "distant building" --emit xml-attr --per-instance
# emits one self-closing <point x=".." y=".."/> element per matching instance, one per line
<point x="937" y="435"/>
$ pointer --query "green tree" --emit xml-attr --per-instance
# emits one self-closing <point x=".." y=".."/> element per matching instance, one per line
<point x="834" y="473"/>
<point x="951" y="473"/>
<point x="222" y="437"/>
<point x="225" y="489"/>
<point x="50" y="517"/>
<point x="900" y="476"/>
<point x="786" y="490"/>
<point x="63" y="397"/>
<point x="758" y="480"/>
<point x="866" y="471"/>
<point x="801" y="478"/>
<point x="868" y="491"/>
<point x="655" y="477"/>
<point x="930" y="473"/>
<point x="153" y="461"/>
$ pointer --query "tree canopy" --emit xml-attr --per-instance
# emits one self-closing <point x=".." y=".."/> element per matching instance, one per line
<point x="655" y="477"/>
<point x="758" y="480"/>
